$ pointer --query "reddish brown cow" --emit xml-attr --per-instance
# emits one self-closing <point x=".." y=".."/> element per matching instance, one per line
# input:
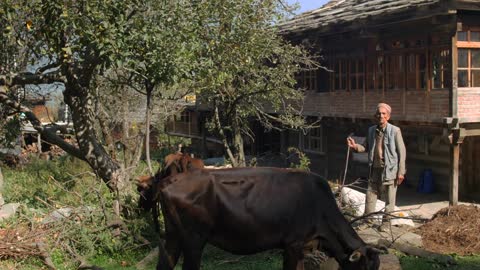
<point x="173" y="164"/>
<point x="249" y="210"/>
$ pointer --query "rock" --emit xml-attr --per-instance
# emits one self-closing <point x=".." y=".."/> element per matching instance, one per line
<point x="330" y="264"/>
<point x="58" y="215"/>
<point x="8" y="210"/>
<point x="400" y="235"/>
<point x="389" y="262"/>
<point x="66" y="212"/>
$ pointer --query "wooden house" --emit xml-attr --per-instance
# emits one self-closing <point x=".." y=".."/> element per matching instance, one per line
<point x="420" y="56"/>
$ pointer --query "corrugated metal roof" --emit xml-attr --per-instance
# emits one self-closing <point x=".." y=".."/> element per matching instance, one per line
<point x="344" y="11"/>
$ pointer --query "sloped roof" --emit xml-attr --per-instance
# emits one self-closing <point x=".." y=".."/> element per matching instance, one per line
<point x="339" y="12"/>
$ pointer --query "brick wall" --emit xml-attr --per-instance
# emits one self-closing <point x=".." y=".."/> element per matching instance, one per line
<point x="406" y="105"/>
<point x="469" y="103"/>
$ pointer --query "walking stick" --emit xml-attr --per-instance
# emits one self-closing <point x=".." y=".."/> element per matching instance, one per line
<point x="345" y="172"/>
<point x="346" y="166"/>
<point x="346" y="162"/>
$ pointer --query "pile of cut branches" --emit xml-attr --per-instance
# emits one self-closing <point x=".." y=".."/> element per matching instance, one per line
<point x="20" y="243"/>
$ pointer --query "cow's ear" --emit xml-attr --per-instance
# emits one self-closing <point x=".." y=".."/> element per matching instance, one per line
<point x="356" y="255"/>
<point x="144" y="181"/>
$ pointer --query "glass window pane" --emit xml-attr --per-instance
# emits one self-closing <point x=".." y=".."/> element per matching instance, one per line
<point x="462" y="36"/>
<point x="475" y="58"/>
<point x="463" y="57"/>
<point x="353" y="82"/>
<point x="423" y="80"/>
<point x="422" y="61"/>
<point x="474" y="36"/>
<point x="475" y="78"/>
<point x="462" y="78"/>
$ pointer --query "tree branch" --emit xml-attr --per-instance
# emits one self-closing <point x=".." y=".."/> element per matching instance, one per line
<point x="30" y="78"/>
<point x="48" y="134"/>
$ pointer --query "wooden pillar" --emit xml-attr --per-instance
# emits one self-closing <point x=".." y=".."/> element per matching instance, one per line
<point x="455" y="138"/>
<point x="454" y="174"/>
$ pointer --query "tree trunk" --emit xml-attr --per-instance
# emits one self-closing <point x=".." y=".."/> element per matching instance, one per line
<point x="238" y="144"/>
<point x="81" y="103"/>
<point x="148" y="112"/>
<point x="219" y="126"/>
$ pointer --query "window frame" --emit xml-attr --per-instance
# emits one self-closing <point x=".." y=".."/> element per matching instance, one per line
<point x="309" y="139"/>
<point x="469" y="46"/>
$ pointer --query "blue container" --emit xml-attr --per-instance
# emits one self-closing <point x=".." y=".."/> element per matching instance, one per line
<point x="426" y="182"/>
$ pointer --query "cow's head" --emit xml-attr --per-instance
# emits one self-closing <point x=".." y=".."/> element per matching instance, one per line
<point x="364" y="258"/>
<point x="150" y="187"/>
<point x="145" y="186"/>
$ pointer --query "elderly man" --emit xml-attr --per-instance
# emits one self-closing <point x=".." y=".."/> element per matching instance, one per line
<point x="386" y="159"/>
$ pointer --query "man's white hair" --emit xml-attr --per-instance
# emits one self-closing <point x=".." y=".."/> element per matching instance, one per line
<point x="386" y="106"/>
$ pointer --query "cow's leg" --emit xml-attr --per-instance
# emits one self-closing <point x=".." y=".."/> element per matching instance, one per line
<point x="175" y="236"/>
<point x="155" y="215"/>
<point x="172" y="245"/>
<point x="293" y="257"/>
<point x="192" y="254"/>
<point x="164" y="262"/>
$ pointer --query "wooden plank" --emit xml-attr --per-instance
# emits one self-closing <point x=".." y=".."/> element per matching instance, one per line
<point x="468" y="44"/>
<point x="454" y="90"/>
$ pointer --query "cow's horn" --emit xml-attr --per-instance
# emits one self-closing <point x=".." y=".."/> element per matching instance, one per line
<point x="356" y="255"/>
<point x="381" y="250"/>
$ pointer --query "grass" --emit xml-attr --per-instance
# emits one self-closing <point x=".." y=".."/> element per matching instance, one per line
<point x="463" y="263"/>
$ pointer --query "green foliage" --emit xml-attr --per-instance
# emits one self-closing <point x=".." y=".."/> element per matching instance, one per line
<point x="9" y="131"/>
<point x="216" y="259"/>
<point x="48" y="181"/>
<point x="463" y="263"/>
<point x="246" y="70"/>
<point x="301" y="161"/>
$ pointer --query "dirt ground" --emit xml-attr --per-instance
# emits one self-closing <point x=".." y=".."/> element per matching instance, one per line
<point x="453" y="230"/>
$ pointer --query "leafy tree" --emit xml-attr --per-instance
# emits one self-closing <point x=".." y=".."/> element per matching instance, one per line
<point x="247" y="69"/>
<point x="159" y="53"/>
<point x="74" y="43"/>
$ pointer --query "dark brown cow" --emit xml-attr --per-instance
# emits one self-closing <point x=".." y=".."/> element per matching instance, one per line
<point x="248" y="210"/>
<point x="172" y="165"/>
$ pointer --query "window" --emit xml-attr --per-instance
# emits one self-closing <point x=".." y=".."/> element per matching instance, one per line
<point x="468" y="43"/>
<point x="339" y="74"/>
<point x="441" y="77"/>
<point x="184" y="117"/>
<point x="468" y="67"/>
<point x="375" y="73"/>
<point x="307" y="80"/>
<point x="356" y="74"/>
<point x="313" y="140"/>
<point x="323" y="80"/>
<point x="416" y="70"/>
<point x="395" y="71"/>
<point x="310" y="79"/>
